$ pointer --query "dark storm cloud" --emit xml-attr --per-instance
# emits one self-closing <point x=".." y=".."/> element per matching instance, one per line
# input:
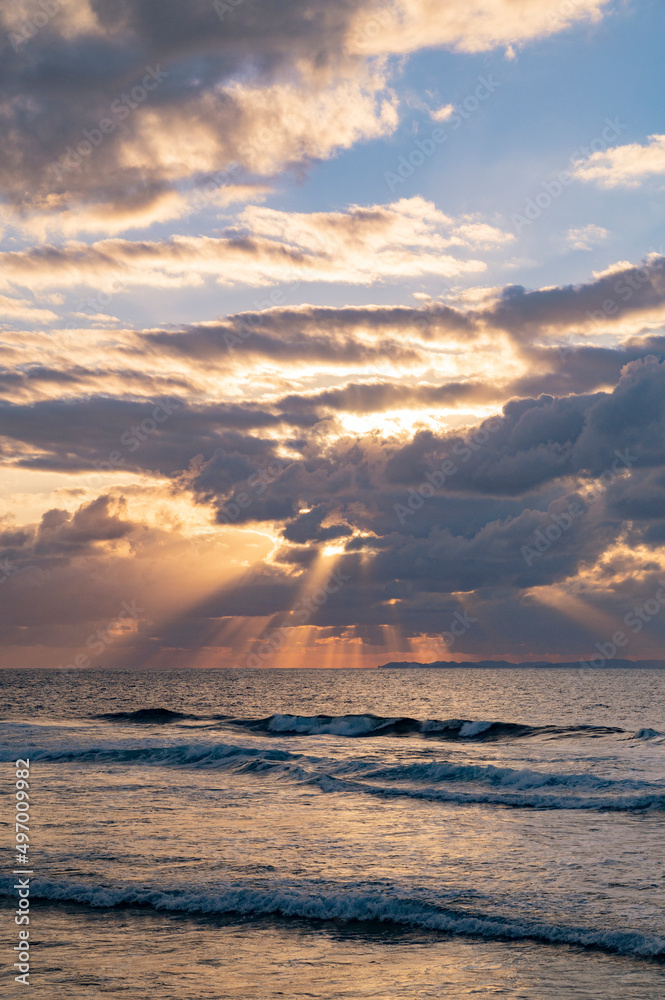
<point x="640" y="498"/>
<point x="530" y="319"/>
<point x="316" y="334"/>
<point x="161" y="435"/>
<point x="568" y="370"/>
<point x="607" y="299"/>
<point x="632" y="417"/>
<point x="447" y="563"/>
<point x="517" y="484"/>
<point x="532" y="445"/>
<point x="477" y="531"/>
<point x="540" y="440"/>
<point x="61" y="536"/>
<point x="380" y="397"/>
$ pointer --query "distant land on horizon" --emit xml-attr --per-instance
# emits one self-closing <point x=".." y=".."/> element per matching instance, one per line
<point x="451" y="664"/>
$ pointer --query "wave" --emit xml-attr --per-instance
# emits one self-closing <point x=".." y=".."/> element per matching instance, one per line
<point x="654" y="800"/>
<point x="506" y="777"/>
<point x="367" y="724"/>
<point x="649" y="734"/>
<point x="377" y="725"/>
<point x="184" y="755"/>
<point x="155" y="716"/>
<point x="482" y="784"/>
<point x="345" y="906"/>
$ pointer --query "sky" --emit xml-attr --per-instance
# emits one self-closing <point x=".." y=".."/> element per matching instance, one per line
<point x="331" y="332"/>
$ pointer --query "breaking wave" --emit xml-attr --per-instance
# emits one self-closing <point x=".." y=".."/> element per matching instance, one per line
<point x="345" y="905"/>
<point x="377" y="725"/>
<point x="358" y="726"/>
<point x="435" y="781"/>
<point x="649" y="734"/>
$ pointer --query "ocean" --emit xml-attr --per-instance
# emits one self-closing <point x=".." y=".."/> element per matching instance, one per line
<point x="339" y="834"/>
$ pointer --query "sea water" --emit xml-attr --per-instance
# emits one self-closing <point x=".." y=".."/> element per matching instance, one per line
<point x="340" y="834"/>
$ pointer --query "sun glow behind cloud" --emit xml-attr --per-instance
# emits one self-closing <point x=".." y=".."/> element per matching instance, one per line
<point x="305" y="417"/>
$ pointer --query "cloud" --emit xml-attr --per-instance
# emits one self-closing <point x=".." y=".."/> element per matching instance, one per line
<point x="625" y="166"/>
<point x="586" y="237"/>
<point x="114" y="113"/>
<point x="24" y="310"/>
<point x="477" y="26"/>
<point x="315" y="462"/>
<point x="613" y="300"/>
<point x="71" y="574"/>
<point x="442" y="114"/>
<point x="62" y="534"/>
<point x="143" y="110"/>
<point x="543" y="338"/>
<point x="409" y="238"/>
<point x="215" y="471"/>
<point x="536" y="445"/>
<point x="158" y="437"/>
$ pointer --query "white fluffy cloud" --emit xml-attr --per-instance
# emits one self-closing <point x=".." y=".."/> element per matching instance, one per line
<point x="625" y="166"/>
<point x="475" y="26"/>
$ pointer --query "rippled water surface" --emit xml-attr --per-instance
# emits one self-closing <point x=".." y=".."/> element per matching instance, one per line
<point x="330" y="834"/>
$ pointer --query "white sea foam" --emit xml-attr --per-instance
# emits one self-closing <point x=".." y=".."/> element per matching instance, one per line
<point x="649" y="734"/>
<point x="377" y="725"/>
<point x="343" y="725"/>
<point x="474" y="728"/>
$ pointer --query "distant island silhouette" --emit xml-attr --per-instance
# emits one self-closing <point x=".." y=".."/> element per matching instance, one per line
<point x="575" y="665"/>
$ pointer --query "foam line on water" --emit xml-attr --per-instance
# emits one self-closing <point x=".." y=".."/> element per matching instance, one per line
<point x="346" y="905"/>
